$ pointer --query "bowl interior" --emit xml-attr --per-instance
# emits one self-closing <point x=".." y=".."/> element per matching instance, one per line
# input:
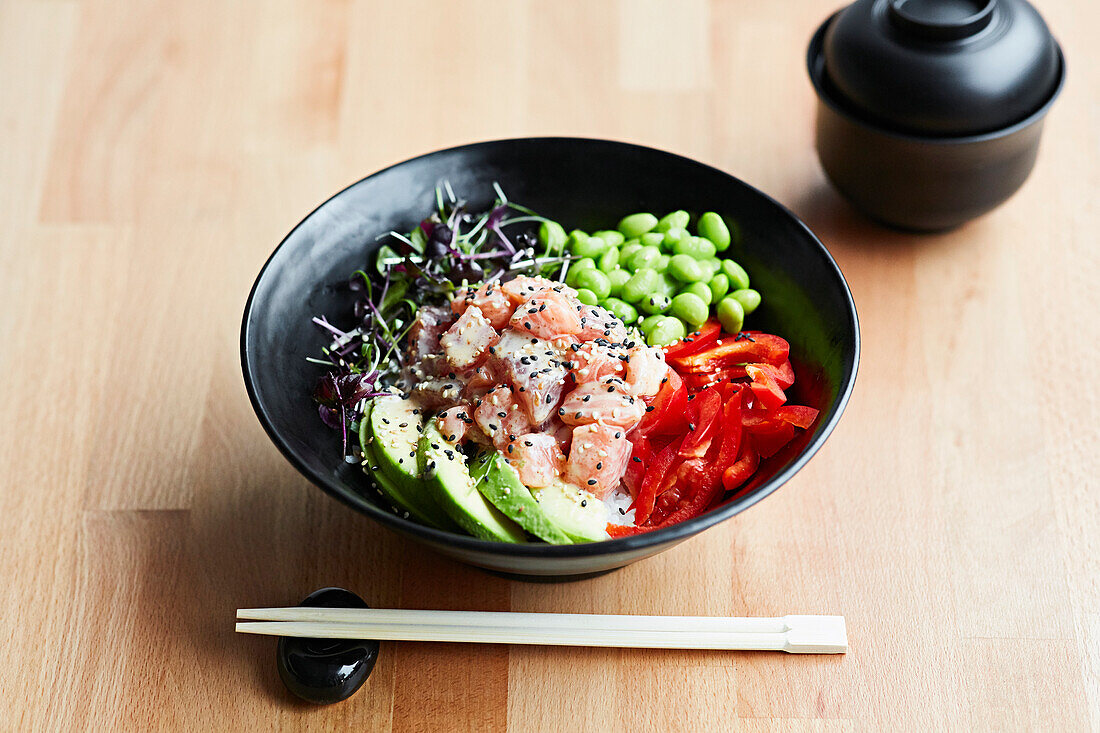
<point x="582" y="183"/>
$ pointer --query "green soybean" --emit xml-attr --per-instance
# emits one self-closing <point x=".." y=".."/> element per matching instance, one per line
<point x="719" y="286"/>
<point x="655" y="304"/>
<point x="685" y="269"/>
<point x="575" y="236"/>
<point x="673" y="237"/>
<point x="589" y="247"/>
<point x="576" y="268"/>
<point x="701" y="290"/>
<point x="644" y="257"/>
<point x="697" y="247"/>
<point x="661" y="263"/>
<point x="617" y="278"/>
<point x="628" y="249"/>
<point x="622" y="310"/>
<point x="676" y="220"/>
<point x="641" y="283"/>
<point x="710" y="267"/>
<point x="649" y="323"/>
<point x="714" y="228"/>
<point x="667" y="284"/>
<point x="739" y="279"/>
<point x="666" y="331"/>
<point x="610" y="236"/>
<point x="609" y="260"/>
<point x="552" y="235"/>
<point x="748" y="298"/>
<point x="652" y="239"/>
<point x="689" y="308"/>
<point x="636" y="225"/>
<point x="731" y="315"/>
<point x="596" y="281"/>
<point x="587" y="297"/>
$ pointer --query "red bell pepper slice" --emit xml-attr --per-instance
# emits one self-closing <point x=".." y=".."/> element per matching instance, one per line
<point x="704" y="411"/>
<point x="641" y="455"/>
<point x="740" y="472"/>
<point x="770" y="440"/>
<point x="748" y="348"/>
<point x="797" y="415"/>
<point x="654" y="477"/>
<point x="660" y="408"/>
<point x="706" y="335"/>
<point x="765" y="388"/>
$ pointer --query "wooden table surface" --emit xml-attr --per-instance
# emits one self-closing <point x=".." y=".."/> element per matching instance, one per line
<point x="153" y="153"/>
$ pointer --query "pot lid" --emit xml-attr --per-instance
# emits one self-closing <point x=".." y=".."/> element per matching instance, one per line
<point x="942" y="67"/>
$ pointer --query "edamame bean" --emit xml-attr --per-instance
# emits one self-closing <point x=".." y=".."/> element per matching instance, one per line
<point x="596" y="281"/>
<point x="652" y="239"/>
<point x="609" y="260"/>
<point x="690" y="309"/>
<point x="552" y="235"/>
<point x="748" y="298"/>
<point x="667" y="285"/>
<point x="714" y="228"/>
<point x="649" y="323"/>
<point x="739" y="279"/>
<point x="655" y="304"/>
<point x="575" y="236"/>
<point x="610" y="236"/>
<point x="587" y="297"/>
<point x="719" y="286"/>
<point x="641" y="283"/>
<point x="622" y="310"/>
<point x="666" y="331"/>
<point x="644" y="257"/>
<point x="700" y="289"/>
<point x="710" y="267"/>
<point x="576" y="268"/>
<point x="628" y="249"/>
<point x="590" y="247"/>
<point x="676" y="219"/>
<point x="636" y="225"/>
<point x="672" y="237"/>
<point x="697" y="247"/>
<point x="617" y="278"/>
<point x="661" y="263"/>
<point x="685" y="269"/>
<point x="731" y="315"/>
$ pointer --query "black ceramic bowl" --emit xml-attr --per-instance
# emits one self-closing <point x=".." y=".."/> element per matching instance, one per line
<point x="920" y="182"/>
<point x="582" y="183"/>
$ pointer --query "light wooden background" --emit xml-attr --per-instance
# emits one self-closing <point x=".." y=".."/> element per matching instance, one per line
<point x="153" y="152"/>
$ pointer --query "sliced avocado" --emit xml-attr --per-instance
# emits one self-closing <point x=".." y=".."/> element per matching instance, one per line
<point x="562" y="505"/>
<point x="396" y="430"/>
<point x="448" y="478"/>
<point x="405" y="490"/>
<point x="499" y="483"/>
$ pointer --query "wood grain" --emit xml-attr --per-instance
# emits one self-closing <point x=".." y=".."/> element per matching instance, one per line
<point x="154" y="152"/>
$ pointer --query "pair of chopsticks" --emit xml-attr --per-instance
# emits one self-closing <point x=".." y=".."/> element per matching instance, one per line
<point x="794" y="634"/>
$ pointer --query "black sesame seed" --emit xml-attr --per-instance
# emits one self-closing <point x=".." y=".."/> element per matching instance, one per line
<point x="586" y="398"/>
<point x="591" y="482"/>
<point x="636" y="459"/>
<point x="650" y="408"/>
<point x="549" y="399"/>
<point x="502" y="414"/>
<point x="403" y="425"/>
<point x="584" y="502"/>
<point x="618" y="434"/>
<point x="599" y="465"/>
<point x="528" y="443"/>
<point x="692" y="426"/>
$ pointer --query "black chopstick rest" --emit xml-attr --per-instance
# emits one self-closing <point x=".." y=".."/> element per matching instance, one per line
<point x="325" y="671"/>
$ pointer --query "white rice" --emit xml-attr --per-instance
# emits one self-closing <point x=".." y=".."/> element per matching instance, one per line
<point x="619" y="499"/>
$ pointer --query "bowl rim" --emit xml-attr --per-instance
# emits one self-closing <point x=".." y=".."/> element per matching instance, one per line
<point x="815" y="68"/>
<point x="668" y="535"/>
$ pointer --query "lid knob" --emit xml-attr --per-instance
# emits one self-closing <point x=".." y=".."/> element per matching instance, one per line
<point x="941" y="20"/>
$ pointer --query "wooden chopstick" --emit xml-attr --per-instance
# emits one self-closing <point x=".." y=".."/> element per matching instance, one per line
<point x="794" y="634"/>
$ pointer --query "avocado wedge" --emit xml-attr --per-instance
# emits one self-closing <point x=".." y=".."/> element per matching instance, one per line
<point x="444" y="469"/>
<point x="581" y="516"/>
<point x="500" y="484"/>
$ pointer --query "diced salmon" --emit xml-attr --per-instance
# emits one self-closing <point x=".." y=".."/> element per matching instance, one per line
<point x="607" y="401"/>
<point x="523" y="288"/>
<point x="645" y="368"/>
<point x="547" y="315"/>
<point x="492" y="301"/>
<point x="593" y="362"/>
<point x="534" y="367"/>
<point x="480" y="380"/>
<point x="597" y="457"/>
<point x="468" y="340"/>
<point x="538" y="459"/>
<point x="435" y="394"/>
<point x="424" y="351"/>
<point x="499" y="416"/>
<point x="455" y="421"/>
<point x="598" y="323"/>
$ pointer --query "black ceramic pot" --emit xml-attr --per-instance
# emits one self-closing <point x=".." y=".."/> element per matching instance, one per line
<point x="930" y="112"/>
<point x="582" y="183"/>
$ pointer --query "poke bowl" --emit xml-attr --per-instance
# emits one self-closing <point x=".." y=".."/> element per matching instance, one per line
<point x="401" y="301"/>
